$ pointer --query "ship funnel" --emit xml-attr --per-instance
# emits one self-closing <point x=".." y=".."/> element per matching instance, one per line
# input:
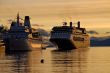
<point x="27" y="23"/>
<point x="78" y="24"/>
<point x="71" y="24"/>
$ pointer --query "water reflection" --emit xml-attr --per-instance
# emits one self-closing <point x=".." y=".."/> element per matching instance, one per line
<point x="19" y="62"/>
<point x="93" y="60"/>
<point x="73" y="61"/>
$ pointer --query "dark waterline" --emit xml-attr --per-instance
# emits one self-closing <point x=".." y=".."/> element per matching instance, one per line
<point x="92" y="60"/>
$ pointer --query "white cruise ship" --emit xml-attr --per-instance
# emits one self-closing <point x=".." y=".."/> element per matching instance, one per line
<point x="20" y="36"/>
<point x="69" y="37"/>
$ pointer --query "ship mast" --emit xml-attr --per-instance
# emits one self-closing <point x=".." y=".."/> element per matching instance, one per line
<point x="18" y="18"/>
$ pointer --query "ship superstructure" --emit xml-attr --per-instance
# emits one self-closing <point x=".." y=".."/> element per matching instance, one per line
<point x="69" y="37"/>
<point x="19" y="36"/>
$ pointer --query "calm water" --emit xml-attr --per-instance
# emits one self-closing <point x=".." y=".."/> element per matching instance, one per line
<point x="92" y="60"/>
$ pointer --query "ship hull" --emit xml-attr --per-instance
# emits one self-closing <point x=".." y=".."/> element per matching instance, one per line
<point x="63" y="44"/>
<point x="21" y="44"/>
<point x="69" y="44"/>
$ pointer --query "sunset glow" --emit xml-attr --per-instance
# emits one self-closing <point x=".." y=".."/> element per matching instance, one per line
<point x="94" y="15"/>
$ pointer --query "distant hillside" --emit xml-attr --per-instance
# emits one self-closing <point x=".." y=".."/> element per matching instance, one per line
<point x="100" y="41"/>
<point x="107" y="32"/>
<point x="92" y="32"/>
<point x="42" y="32"/>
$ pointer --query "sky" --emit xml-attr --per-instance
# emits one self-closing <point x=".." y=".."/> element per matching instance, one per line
<point x="93" y="14"/>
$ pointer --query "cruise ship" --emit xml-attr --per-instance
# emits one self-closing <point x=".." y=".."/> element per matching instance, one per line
<point x="69" y="37"/>
<point x="20" y="36"/>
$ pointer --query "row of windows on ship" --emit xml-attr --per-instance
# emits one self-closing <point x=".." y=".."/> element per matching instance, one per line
<point x="61" y="35"/>
<point x="67" y="35"/>
<point x="73" y="32"/>
<point x="80" y="38"/>
<point x="77" y="30"/>
<point x="16" y="36"/>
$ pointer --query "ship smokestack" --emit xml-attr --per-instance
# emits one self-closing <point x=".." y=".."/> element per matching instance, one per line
<point x="27" y="23"/>
<point x="78" y="24"/>
<point x="71" y="24"/>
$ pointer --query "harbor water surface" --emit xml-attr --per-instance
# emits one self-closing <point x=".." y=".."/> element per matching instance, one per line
<point x="91" y="60"/>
